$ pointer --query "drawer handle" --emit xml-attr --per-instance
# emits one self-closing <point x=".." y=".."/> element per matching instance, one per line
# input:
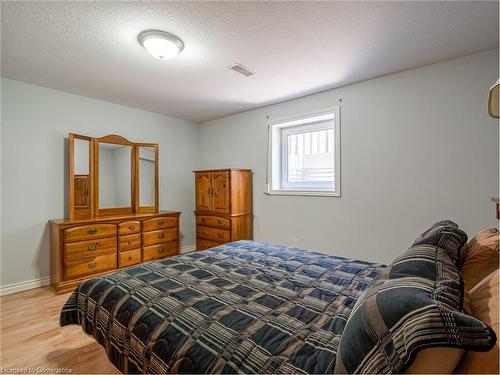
<point x="129" y="242"/>
<point x="129" y="258"/>
<point x="220" y="235"/>
<point x="161" y="235"/>
<point x="160" y="222"/>
<point x="203" y="220"/>
<point x="131" y="228"/>
<point x="92" y="265"/>
<point x="92" y="231"/>
<point x="220" y="222"/>
<point x="93" y="247"/>
<point x="161" y="250"/>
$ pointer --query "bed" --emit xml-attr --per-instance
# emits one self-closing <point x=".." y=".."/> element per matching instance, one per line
<point x="250" y="307"/>
<point x="243" y="307"/>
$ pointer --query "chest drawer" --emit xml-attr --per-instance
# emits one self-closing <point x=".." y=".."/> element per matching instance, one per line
<point x="159" y="251"/>
<point x="129" y="227"/>
<point x="90" y="266"/>
<point x="159" y="236"/>
<point x="213" y="221"/>
<point x="88" y="232"/>
<point x="82" y="249"/>
<point x="212" y="234"/>
<point x="162" y="222"/>
<point x="129" y="258"/>
<point x="202" y="244"/>
<point x="130" y="241"/>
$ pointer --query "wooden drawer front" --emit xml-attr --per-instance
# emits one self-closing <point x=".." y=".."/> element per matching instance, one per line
<point x="88" y="232"/>
<point x="161" y="222"/>
<point x="131" y="241"/>
<point x="159" y="251"/>
<point x="202" y="244"/>
<point x="129" y="227"/>
<point x="213" y="221"/>
<point x="129" y="258"/>
<point x="207" y="233"/>
<point x="90" y="266"/>
<point x="159" y="236"/>
<point x="82" y="249"/>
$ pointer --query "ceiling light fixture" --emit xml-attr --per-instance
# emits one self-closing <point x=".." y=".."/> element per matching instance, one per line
<point x="160" y="44"/>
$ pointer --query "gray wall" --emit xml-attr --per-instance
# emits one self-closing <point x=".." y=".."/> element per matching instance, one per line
<point x="417" y="147"/>
<point x="35" y="123"/>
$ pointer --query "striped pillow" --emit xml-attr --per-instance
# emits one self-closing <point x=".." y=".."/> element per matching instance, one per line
<point x="415" y="303"/>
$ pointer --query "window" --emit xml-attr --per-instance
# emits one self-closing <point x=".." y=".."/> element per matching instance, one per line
<point x="304" y="155"/>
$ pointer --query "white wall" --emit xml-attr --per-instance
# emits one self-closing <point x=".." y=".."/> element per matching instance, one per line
<point x="35" y="123"/>
<point x="417" y="147"/>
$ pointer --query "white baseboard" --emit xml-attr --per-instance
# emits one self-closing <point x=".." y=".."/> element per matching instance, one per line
<point x="24" y="285"/>
<point x="37" y="283"/>
<point x="188" y="249"/>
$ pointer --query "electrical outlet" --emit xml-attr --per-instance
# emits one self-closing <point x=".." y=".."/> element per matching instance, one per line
<point x="295" y="242"/>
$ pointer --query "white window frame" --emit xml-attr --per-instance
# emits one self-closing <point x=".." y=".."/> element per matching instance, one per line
<point x="279" y="129"/>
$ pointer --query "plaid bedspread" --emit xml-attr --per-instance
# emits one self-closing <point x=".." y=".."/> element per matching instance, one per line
<point x="244" y="307"/>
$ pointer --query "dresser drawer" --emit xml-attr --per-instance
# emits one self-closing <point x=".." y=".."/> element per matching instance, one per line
<point x="129" y="258"/>
<point x="88" y="232"/>
<point x="82" y="249"/>
<point x="129" y="227"/>
<point x="159" y="251"/>
<point x="213" y="221"/>
<point x="130" y="241"/>
<point x="161" y="222"/>
<point x="202" y="244"/>
<point x="90" y="266"/>
<point x="159" y="236"/>
<point x="212" y="234"/>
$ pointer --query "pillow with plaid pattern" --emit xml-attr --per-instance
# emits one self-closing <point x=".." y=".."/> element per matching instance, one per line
<point x="413" y="304"/>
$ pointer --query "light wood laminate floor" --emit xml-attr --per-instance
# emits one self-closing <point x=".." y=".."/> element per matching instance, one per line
<point x="31" y="336"/>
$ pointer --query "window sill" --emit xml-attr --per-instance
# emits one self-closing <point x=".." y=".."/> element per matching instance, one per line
<point x="307" y="193"/>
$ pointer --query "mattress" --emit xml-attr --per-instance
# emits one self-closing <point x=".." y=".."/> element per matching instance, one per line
<point x="244" y="306"/>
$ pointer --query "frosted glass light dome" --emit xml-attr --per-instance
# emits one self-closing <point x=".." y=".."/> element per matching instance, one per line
<point x="160" y="44"/>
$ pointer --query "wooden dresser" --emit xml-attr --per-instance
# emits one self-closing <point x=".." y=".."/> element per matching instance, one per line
<point x="113" y="216"/>
<point x="224" y="207"/>
<point x="85" y="248"/>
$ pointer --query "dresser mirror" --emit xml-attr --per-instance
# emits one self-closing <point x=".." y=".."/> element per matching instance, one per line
<point x="80" y="172"/>
<point x="115" y="175"/>
<point x="115" y="166"/>
<point x="111" y="176"/>
<point x="147" y="176"/>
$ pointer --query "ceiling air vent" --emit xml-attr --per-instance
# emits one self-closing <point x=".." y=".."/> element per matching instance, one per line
<point x="241" y="69"/>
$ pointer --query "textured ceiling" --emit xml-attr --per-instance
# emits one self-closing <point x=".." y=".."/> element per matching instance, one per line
<point x="91" y="49"/>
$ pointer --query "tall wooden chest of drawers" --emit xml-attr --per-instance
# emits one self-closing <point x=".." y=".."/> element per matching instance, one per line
<point x="82" y="249"/>
<point x="224" y="207"/>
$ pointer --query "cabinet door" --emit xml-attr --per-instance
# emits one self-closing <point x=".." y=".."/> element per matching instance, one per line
<point x="202" y="191"/>
<point x="220" y="192"/>
<point x="81" y="191"/>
